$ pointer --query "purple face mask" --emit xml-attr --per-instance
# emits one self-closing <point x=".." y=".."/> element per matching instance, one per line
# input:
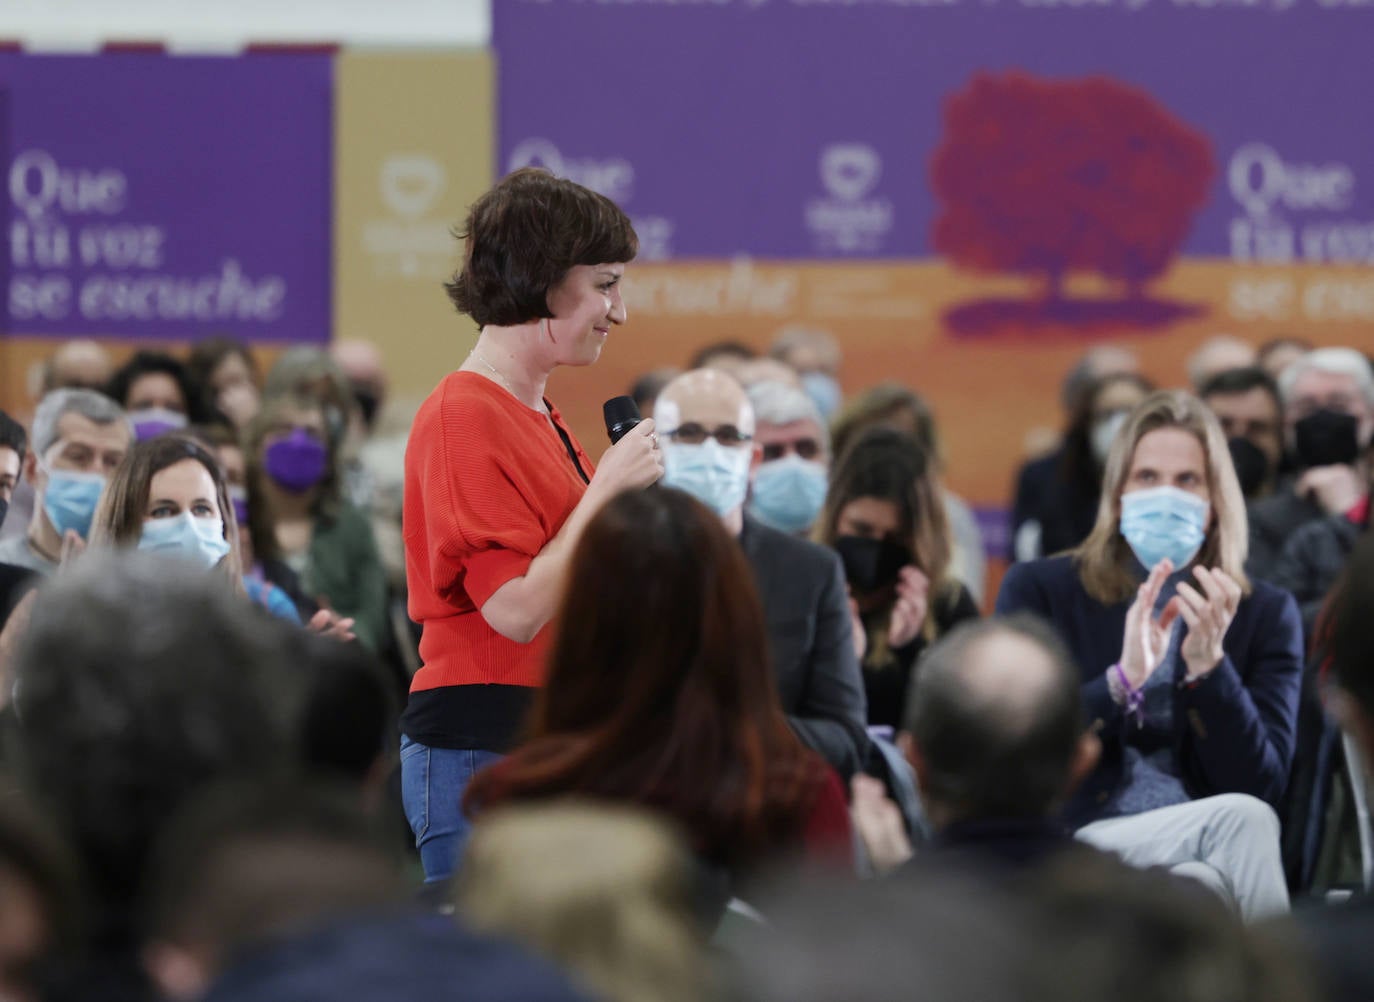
<point x="239" y="497"/>
<point x="296" y="463"/>
<point x="150" y="422"/>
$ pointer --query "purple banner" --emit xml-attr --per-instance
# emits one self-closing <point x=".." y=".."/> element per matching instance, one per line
<point x="165" y="197"/>
<point x="798" y="129"/>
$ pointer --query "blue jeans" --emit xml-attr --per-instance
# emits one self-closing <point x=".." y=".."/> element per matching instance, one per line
<point x="432" y="785"/>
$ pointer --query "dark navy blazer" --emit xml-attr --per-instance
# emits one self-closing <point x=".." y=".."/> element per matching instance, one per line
<point x="1233" y="731"/>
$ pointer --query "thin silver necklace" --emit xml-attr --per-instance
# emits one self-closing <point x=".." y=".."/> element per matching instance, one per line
<point x="504" y="381"/>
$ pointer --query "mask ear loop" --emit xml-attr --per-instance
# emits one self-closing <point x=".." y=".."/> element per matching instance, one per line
<point x="548" y="330"/>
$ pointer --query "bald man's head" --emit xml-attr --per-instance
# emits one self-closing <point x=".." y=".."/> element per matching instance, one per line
<point x="705" y="397"/>
<point x="995" y="721"/>
<point x="78" y="365"/>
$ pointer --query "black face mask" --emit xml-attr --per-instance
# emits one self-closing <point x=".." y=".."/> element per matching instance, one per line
<point x="1326" y="438"/>
<point x="871" y="564"/>
<point x="1252" y="465"/>
<point x="368" y="404"/>
<point x="4" y="510"/>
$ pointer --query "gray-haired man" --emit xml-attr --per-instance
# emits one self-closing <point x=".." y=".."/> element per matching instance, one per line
<point x="79" y="437"/>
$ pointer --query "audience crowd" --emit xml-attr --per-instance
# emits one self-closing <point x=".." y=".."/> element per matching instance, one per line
<point x="296" y="706"/>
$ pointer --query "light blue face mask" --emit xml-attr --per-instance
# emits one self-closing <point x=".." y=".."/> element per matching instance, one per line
<point x="70" y="498"/>
<point x="716" y="476"/>
<point x="1162" y="522"/>
<point x="788" y="493"/>
<point x="824" y="391"/>
<point x="199" y="540"/>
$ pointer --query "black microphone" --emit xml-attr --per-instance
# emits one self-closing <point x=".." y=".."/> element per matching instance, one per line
<point x="622" y="414"/>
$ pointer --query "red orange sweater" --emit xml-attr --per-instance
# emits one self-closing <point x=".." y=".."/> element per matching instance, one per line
<point x="488" y="482"/>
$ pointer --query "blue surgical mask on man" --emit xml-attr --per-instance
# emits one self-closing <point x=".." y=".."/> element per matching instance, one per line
<point x="824" y="391"/>
<point x="788" y="493"/>
<point x="716" y="476"/>
<point x="70" y="498"/>
<point x="199" y="540"/>
<point x="1164" y="522"/>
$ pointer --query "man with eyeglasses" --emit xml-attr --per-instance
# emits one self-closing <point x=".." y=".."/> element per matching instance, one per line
<point x="706" y="428"/>
<point x="79" y="437"/>
<point x="794" y="470"/>
<point x="1328" y="404"/>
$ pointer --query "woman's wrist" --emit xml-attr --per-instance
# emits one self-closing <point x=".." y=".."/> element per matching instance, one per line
<point x="1125" y="694"/>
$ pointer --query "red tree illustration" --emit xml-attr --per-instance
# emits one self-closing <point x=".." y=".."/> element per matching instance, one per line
<point x="1047" y="177"/>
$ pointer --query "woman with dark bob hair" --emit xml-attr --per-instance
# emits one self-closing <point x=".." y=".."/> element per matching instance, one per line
<point x="672" y="708"/>
<point x="497" y="488"/>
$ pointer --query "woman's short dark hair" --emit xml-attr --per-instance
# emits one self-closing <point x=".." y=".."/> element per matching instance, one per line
<point x="523" y="237"/>
<point x="147" y="363"/>
<point x="674" y="706"/>
<point x="207" y="354"/>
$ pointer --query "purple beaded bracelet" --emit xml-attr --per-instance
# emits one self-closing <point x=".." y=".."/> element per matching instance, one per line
<point x="1133" y="699"/>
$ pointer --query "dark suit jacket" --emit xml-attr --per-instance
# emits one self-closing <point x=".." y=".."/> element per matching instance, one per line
<point x="1064" y="511"/>
<point x="1234" y="732"/>
<point x="1338" y="939"/>
<point x="1273" y="520"/>
<point x="810" y="637"/>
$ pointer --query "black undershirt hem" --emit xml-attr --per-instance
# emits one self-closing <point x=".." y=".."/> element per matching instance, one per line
<point x="482" y="717"/>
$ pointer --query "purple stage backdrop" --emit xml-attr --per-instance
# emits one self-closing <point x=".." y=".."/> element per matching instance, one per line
<point x="164" y="197"/>
<point x="798" y="129"/>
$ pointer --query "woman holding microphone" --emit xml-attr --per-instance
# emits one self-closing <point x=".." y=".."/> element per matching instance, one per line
<point x="497" y="488"/>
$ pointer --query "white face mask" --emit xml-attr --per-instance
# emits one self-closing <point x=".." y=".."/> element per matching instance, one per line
<point x="1104" y="433"/>
<point x="199" y="540"/>
<point x="716" y="476"/>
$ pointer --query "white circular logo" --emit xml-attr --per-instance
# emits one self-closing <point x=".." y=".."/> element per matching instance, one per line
<point x="411" y="183"/>
<point x="850" y="170"/>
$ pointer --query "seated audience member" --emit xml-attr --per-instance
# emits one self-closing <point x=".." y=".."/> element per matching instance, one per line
<point x="270" y="583"/>
<point x="226" y="378"/>
<point x="79" y="437"/>
<point x="604" y="892"/>
<point x="1218" y="354"/>
<point x="1092" y="367"/>
<point x="77" y="365"/>
<point x="724" y="356"/>
<point x="169" y="497"/>
<point x="1057" y="495"/>
<point x="815" y="356"/>
<point x="156" y="393"/>
<point x="674" y="708"/>
<point x="1313" y="559"/>
<point x="790" y="480"/>
<point x="884" y="517"/>
<point x="1190" y="671"/>
<point x="1340" y="936"/>
<point x="375" y="462"/>
<point x="647" y="387"/>
<point x="140" y="680"/>
<point x="80" y="364"/>
<point x="892" y="405"/>
<point x="15" y="580"/>
<point x="706" y="426"/>
<point x="1279" y="353"/>
<point x="947" y="937"/>
<point x="994" y="729"/>
<point x="765" y="370"/>
<point x="39" y="901"/>
<point x="1104" y="931"/>
<point x="298" y="515"/>
<point x="1328" y="411"/>
<point x="1246" y="402"/>
<point x="287" y="891"/>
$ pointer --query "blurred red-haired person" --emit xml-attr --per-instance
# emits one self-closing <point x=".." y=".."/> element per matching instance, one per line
<point x="660" y="693"/>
